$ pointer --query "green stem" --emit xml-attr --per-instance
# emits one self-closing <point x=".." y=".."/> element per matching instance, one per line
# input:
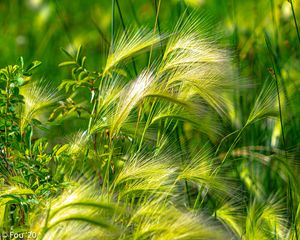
<point x="148" y="122"/>
<point x="182" y="162"/>
<point x="295" y="20"/>
<point x="157" y="9"/>
<point x="7" y="90"/>
<point x="112" y="24"/>
<point x="215" y="172"/>
<point x="125" y="31"/>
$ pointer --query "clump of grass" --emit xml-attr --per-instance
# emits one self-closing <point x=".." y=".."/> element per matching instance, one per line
<point x="152" y="159"/>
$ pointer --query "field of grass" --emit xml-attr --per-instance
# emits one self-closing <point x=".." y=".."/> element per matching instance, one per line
<point x="149" y="119"/>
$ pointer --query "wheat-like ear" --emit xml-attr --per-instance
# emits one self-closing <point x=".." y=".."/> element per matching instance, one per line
<point x="189" y="45"/>
<point x="81" y="211"/>
<point x="77" y="142"/>
<point x="266" y="220"/>
<point x="190" y="226"/>
<point x="157" y="219"/>
<point x="130" y="96"/>
<point x="129" y="44"/>
<point x="231" y="215"/>
<point x="193" y="114"/>
<point x="265" y="104"/>
<point x="200" y="170"/>
<point x="210" y="83"/>
<point x="37" y="96"/>
<point x="143" y="175"/>
<point x="198" y="65"/>
<point x="109" y="95"/>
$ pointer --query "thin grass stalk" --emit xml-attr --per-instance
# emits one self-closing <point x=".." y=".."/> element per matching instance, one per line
<point x="6" y="117"/>
<point x="112" y="24"/>
<point x="149" y="62"/>
<point x="290" y="194"/>
<point x="274" y="26"/>
<point x="276" y="70"/>
<point x="125" y="31"/>
<point x="278" y="93"/>
<point x="137" y="124"/>
<point x="235" y="40"/>
<point x="290" y="207"/>
<point x="147" y="124"/>
<point x="182" y="162"/>
<point x="295" y="20"/>
<point x="196" y="203"/>
<point x="223" y="139"/>
<point x="95" y="102"/>
<point x="106" y="175"/>
<point x="280" y="115"/>
<point x="159" y="133"/>
<point x="232" y="146"/>
<point x="157" y="9"/>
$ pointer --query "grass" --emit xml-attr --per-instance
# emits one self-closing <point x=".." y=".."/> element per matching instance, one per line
<point x="177" y="135"/>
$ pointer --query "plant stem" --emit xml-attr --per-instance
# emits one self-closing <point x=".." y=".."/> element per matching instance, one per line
<point x="295" y="20"/>
<point x="125" y="31"/>
<point x="112" y="24"/>
<point x="157" y="9"/>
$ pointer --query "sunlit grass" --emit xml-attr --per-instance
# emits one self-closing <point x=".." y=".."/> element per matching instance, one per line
<point x="175" y="134"/>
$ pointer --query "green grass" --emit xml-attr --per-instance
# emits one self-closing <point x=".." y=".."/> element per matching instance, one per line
<point x="175" y="126"/>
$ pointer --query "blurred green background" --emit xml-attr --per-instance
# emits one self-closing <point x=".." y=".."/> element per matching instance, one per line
<point x="36" y="29"/>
